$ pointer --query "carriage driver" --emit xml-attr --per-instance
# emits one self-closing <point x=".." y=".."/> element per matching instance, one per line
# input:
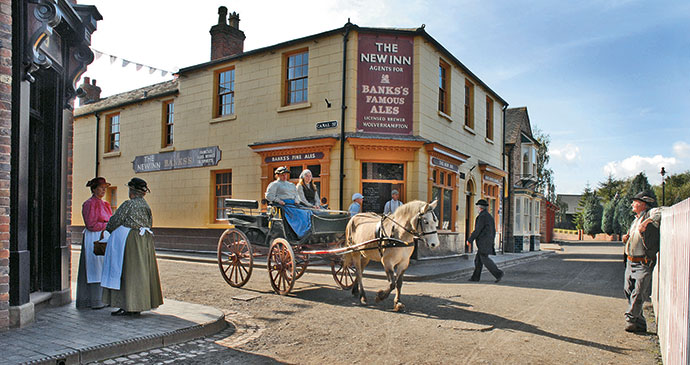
<point x="281" y="189"/>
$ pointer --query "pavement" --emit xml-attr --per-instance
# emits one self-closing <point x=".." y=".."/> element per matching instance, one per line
<point x="67" y="335"/>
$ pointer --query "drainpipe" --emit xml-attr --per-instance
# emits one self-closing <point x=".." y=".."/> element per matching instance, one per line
<point x="98" y="133"/>
<point x="348" y="26"/>
<point x="506" y="200"/>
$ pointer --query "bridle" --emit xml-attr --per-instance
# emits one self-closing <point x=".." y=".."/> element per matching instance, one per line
<point x="417" y="233"/>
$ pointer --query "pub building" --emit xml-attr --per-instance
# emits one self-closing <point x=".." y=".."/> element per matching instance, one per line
<point x="49" y="50"/>
<point x="367" y="110"/>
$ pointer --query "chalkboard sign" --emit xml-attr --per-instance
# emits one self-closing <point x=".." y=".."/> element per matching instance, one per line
<point x="375" y="196"/>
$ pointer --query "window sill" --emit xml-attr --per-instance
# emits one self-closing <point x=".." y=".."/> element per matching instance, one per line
<point x="111" y="154"/>
<point x="465" y="127"/>
<point x="445" y="116"/>
<point x="288" y="108"/>
<point x="167" y="149"/>
<point x="224" y="118"/>
<point x="488" y="140"/>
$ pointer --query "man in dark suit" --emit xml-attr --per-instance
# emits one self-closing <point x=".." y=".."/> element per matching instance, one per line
<point x="484" y="234"/>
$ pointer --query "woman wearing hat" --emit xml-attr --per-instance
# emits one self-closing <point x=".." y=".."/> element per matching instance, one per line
<point x="96" y="214"/>
<point x="306" y="190"/>
<point x="130" y="276"/>
<point x="284" y="193"/>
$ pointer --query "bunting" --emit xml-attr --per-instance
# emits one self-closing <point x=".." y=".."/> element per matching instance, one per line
<point x="126" y="63"/>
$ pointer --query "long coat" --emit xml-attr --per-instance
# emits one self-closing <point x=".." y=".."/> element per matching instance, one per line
<point x="484" y="233"/>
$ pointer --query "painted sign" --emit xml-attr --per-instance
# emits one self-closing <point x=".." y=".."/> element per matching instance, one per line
<point x="493" y="180"/>
<point x="325" y="125"/>
<point x="444" y="164"/>
<point x="198" y="157"/>
<point x="384" y="83"/>
<point x="294" y="157"/>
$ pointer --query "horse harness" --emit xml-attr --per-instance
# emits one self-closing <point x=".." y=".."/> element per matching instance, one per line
<point x="386" y="240"/>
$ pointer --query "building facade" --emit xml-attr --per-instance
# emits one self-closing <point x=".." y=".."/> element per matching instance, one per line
<point x="524" y="202"/>
<point x="48" y="50"/>
<point x="366" y="110"/>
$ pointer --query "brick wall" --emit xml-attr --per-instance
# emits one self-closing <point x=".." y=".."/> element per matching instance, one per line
<point x="5" y="147"/>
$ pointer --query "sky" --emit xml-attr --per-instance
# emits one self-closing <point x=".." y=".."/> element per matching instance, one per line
<point x="607" y="80"/>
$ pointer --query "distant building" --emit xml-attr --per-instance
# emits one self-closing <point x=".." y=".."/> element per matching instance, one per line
<point x="367" y="110"/>
<point x="572" y="201"/>
<point x="524" y="203"/>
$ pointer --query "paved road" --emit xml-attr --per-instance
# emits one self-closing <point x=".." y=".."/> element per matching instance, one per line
<point x="567" y="309"/>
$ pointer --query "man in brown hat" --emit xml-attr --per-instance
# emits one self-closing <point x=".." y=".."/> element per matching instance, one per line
<point x="641" y="247"/>
<point x="484" y="234"/>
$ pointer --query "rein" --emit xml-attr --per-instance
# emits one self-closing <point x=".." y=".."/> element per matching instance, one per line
<point x="415" y="233"/>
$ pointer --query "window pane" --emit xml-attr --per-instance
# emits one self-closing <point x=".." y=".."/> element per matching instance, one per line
<point x="435" y="195"/>
<point x="382" y="171"/>
<point x="315" y="170"/>
<point x="295" y="171"/>
<point x="447" y="206"/>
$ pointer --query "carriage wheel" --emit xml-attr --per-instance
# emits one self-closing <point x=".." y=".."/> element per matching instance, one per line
<point x="344" y="276"/>
<point x="235" y="257"/>
<point x="281" y="266"/>
<point x="302" y="263"/>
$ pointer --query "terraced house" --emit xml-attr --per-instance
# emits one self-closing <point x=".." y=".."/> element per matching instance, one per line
<point x="365" y="109"/>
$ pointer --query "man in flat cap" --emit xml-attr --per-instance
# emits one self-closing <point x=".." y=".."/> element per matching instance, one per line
<point x="392" y="204"/>
<point x="641" y="247"/>
<point x="484" y="234"/>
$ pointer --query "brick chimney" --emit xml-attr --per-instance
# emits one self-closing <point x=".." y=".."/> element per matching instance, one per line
<point x="92" y="93"/>
<point x="226" y="39"/>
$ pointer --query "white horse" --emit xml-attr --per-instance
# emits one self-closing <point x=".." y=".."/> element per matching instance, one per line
<point x="391" y="242"/>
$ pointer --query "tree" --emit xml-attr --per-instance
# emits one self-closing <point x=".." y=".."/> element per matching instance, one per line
<point x="677" y="188"/>
<point x="608" y="222"/>
<point x="625" y="215"/>
<point x="561" y="217"/>
<point x="609" y="188"/>
<point x="592" y="214"/>
<point x="545" y="184"/>
<point x="580" y="210"/>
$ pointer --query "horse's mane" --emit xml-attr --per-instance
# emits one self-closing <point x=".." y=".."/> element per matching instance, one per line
<point x="408" y="209"/>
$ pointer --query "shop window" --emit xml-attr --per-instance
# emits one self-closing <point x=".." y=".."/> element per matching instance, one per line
<point x="469" y="102"/>
<point x="489" y="118"/>
<point x="442" y="190"/>
<point x="491" y="197"/>
<point x="225" y="92"/>
<point x="222" y="181"/>
<point x="296" y="77"/>
<point x="444" y="87"/>
<point x="378" y="180"/>
<point x="111" y="197"/>
<point x="113" y="130"/>
<point x="168" y="122"/>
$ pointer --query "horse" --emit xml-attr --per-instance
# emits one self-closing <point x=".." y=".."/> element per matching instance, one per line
<point x="391" y="242"/>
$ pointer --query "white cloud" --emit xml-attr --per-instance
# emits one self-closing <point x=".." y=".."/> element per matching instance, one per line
<point x="681" y="150"/>
<point x="570" y="153"/>
<point x="633" y="165"/>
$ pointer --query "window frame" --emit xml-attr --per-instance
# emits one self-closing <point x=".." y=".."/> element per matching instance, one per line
<point x="168" y="123"/>
<point x="214" y="199"/>
<point x="489" y="118"/>
<point x="449" y="183"/>
<point x="287" y="93"/>
<point x="444" y="87"/>
<point x="109" y="142"/>
<point x="401" y="184"/>
<point x="217" y="97"/>
<point x="111" y="191"/>
<point x="469" y="104"/>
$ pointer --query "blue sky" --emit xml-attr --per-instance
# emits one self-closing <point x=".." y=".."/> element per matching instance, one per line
<point x="608" y="81"/>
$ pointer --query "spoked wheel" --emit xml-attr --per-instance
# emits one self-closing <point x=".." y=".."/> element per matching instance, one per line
<point x="281" y="266"/>
<point x="301" y="262"/>
<point x="344" y="276"/>
<point x="235" y="257"/>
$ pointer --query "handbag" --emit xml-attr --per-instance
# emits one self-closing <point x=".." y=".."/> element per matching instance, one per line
<point x="99" y="248"/>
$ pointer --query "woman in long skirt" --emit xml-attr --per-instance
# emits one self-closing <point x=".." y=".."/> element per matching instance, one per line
<point x="130" y="275"/>
<point x="96" y="213"/>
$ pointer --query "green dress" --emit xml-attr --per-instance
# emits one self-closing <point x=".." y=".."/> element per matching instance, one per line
<point x="140" y="285"/>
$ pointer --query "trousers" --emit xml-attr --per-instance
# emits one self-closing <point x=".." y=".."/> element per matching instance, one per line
<point x="481" y="260"/>
<point x="638" y="280"/>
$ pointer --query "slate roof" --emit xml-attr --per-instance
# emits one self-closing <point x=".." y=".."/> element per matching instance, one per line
<point x="130" y="97"/>
<point x="515" y="119"/>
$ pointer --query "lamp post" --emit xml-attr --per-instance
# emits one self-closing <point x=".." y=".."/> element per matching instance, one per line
<point x="663" y="186"/>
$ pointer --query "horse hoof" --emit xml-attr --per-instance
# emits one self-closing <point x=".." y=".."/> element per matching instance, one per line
<point x="399" y="307"/>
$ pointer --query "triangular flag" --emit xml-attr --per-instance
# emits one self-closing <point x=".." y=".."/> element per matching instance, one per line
<point x="139" y="66"/>
<point x="125" y="62"/>
<point x="163" y="72"/>
<point x="112" y="59"/>
<point x="151" y="70"/>
<point x="97" y="54"/>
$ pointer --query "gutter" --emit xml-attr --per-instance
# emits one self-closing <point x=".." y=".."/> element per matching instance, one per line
<point x="343" y="107"/>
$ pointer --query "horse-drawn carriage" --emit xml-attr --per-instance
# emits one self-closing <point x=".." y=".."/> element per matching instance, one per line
<point x="347" y="244"/>
<point x="256" y="234"/>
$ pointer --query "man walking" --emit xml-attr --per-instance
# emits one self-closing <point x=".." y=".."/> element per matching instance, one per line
<point x="641" y="247"/>
<point x="484" y="234"/>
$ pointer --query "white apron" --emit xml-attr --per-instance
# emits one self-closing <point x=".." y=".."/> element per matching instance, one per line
<point x="94" y="264"/>
<point x="114" y="256"/>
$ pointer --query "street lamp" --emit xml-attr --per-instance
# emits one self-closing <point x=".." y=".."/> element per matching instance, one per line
<point x="663" y="186"/>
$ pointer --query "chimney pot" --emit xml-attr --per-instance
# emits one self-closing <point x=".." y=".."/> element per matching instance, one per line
<point x="222" y="13"/>
<point x="226" y="40"/>
<point x="92" y="93"/>
<point x="234" y="20"/>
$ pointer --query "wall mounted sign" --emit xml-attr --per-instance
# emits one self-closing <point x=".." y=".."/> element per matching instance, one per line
<point x="444" y="164"/>
<point x="198" y="157"/>
<point x="294" y="157"/>
<point x="384" y="83"/>
<point x="491" y="179"/>
<point x="325" y="125"/>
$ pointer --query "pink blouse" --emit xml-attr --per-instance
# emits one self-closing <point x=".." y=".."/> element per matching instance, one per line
<point x="96" y="213"/>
